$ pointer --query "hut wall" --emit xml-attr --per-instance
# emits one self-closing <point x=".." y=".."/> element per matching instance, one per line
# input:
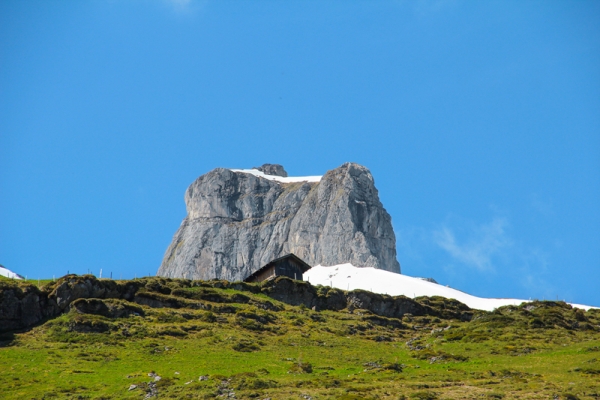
<point x="264" y="275"/>
<point x="290" y="268"/>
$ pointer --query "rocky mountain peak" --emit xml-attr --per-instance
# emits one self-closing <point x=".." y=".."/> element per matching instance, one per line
<point x="238" y="221"/>
<point x="272" y="169"/>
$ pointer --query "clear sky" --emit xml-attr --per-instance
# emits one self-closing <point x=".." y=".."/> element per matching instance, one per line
<point x="480" y="121"/>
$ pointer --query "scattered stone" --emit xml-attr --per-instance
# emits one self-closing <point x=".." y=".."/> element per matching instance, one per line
<point x="131" y="387"/>
<point x="152" y="390"/>
<point x="225" y="391"/>
<point x="412" y="347"/>
<point x="203" y="378"/>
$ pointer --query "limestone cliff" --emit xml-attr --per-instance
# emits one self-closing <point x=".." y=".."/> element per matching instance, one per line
<point x="238" y="221"/>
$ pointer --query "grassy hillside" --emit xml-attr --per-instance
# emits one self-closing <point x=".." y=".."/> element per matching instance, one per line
<point x="218" y="342"/>
<point x="36" y="282"/>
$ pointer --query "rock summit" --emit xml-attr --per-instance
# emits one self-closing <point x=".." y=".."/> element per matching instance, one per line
<point x="239" y="220"/>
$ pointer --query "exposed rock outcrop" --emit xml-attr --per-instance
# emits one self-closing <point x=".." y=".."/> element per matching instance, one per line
<point x="23" y="306"/>
<point x="237" y="222"/>
<point x="272" y="169"/>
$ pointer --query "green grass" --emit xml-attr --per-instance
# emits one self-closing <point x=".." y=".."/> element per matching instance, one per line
<point x="245" y="347"/>
<point x="36" y="282"/>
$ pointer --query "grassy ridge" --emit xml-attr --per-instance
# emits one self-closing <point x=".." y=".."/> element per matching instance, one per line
<point x="225" y="343"/>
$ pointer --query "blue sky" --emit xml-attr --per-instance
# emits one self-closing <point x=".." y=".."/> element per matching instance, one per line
<point x="480" y="121"/>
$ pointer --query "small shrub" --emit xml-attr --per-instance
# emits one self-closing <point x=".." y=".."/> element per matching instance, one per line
<point x="249" y="324"/>
<point x="453" y="335"/>
<point x="317" y="317"/>
<point x="301" y="368"/>
<point x="262" y="384"/>
<point x="393" y="367"/>
<point x="424" y="396"/>
<point x="245" y="346"/>
<point x="208" y="317"/>
<point x="590" y="371"/>
<point x="171" y="331"/>
<point x="263" y="371"/>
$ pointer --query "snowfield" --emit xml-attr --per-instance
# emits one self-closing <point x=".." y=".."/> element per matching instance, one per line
<point x="289" y="179"/>
<point x="8" y="273"/>
<point x="349" y="277"/>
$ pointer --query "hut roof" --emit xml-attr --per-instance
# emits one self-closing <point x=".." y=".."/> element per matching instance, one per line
<point x="304" y="266"/>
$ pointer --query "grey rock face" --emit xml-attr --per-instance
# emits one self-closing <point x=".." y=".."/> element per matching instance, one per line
<point x="272" y="169"/>
<point x="237" y="222"/>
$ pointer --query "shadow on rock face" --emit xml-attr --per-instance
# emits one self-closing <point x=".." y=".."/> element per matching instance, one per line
<point x="107" y="308"/>
<point x="7" y="339"/>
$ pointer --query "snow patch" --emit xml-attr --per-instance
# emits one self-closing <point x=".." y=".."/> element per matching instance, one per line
<point x="289" y="179"/>
<point x="8" y="273"/>
<point x="349" y="277"/>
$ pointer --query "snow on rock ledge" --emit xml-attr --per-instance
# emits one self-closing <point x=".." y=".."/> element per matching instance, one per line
<point x="282" y="179"/>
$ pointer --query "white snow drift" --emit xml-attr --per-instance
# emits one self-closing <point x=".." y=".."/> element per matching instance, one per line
<point x="349" y="277"/>
<point x="8" y="273"/>
<point x="289" y="179"/>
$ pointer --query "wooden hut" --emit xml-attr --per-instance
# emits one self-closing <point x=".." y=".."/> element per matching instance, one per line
<point x="289" y="265"/>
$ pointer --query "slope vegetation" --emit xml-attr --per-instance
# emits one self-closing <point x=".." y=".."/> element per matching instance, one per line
<point x="102" y="339"/>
